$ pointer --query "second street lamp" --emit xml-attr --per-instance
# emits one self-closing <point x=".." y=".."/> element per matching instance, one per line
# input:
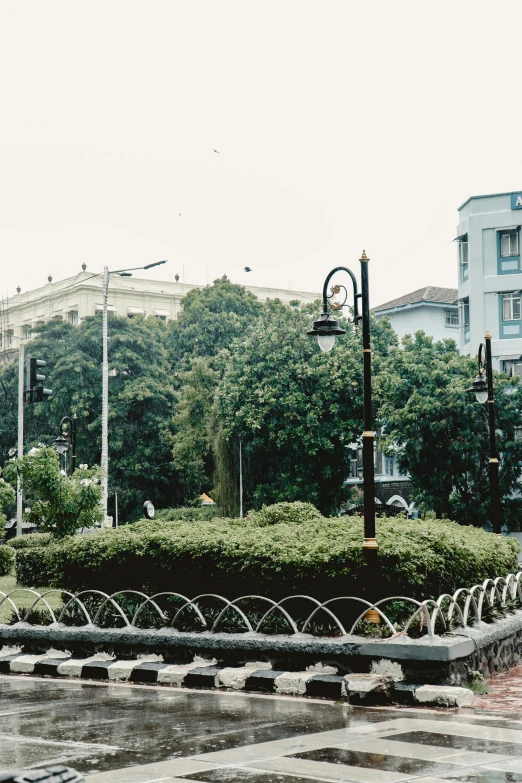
<point x="326" y="329"/>
<point x="61" y="444"/>
<point x="67" y="436"/>
<point x="482" y="388"/>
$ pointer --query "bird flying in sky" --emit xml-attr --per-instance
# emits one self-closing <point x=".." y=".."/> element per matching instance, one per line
<point x="247" y="269"/>
<point x="218" y="152"/>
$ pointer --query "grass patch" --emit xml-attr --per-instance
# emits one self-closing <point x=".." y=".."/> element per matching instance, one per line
<point x="23" y="600"/>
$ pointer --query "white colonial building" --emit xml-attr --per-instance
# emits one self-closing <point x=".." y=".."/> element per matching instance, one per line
<point x="81" y="295"/>
<point x="490" y="277"/>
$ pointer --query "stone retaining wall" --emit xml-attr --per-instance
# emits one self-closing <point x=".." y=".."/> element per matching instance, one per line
<point x="444" y="660"/>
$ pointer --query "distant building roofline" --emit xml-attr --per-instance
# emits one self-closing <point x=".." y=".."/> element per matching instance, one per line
<point x="429" y="294"/>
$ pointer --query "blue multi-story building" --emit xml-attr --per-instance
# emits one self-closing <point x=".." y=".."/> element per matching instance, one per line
<point x="490" y="277"/>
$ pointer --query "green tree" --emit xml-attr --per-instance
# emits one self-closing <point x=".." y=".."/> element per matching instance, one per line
<point x="210" y="319"/>
<point x="190" y="436"/>
<point x="60" y="504"/>
<point x="8" y="408"/>
<point x="440" y="433"/>
<point x="141" y="400"/>
<point x="7" y="499"/>
<point x="294" y="409"/>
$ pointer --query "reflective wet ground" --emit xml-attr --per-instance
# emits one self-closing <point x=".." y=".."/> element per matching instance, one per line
<point x="133" y="734"/>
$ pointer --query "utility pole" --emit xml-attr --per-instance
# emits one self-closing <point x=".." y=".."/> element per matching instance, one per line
<point x="19" y="495"/>
<point x="240" y="481"/>
<point x="105" y="375"/>
<point x="105" y="394"/>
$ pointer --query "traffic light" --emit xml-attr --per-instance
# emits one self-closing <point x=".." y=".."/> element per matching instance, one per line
<point x="33" y="391"/>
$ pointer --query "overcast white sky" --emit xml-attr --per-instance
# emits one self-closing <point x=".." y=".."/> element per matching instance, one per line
<point x="340" y="126"/>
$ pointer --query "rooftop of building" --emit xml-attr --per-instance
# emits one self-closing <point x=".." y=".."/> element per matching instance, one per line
<point x="429" y="293"/>
<point x="171" y="287"/>
<point x="487" y="195"/>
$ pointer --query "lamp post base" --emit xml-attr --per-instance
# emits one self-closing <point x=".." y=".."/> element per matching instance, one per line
<point x="374" y="585"/>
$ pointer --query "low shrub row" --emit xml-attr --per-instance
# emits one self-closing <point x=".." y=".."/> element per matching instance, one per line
<point x="7" y="558"/>
<point x="320" y="557"/>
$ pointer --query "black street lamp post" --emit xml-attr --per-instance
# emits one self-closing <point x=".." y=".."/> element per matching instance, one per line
<point x="482" y="388"/>
<point x="67" y="432"/>
<point x="326" y="329"/>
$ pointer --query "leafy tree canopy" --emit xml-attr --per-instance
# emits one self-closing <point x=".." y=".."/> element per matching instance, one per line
<point x="210" y="319"/>
<point x="294" y="409"/>
<point x="440" y="432"/>
<point x="141" y="399"/>
<point x="190" y="435"/>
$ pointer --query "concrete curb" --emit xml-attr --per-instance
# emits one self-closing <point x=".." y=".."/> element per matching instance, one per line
<point x="360" y="689"/>
<point x="133" y="641"/>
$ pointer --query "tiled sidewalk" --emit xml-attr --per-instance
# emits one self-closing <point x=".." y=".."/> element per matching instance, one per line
<point x="505" y="693"/>
<point x="387" y="751"/>
<point x="127" y="733"/>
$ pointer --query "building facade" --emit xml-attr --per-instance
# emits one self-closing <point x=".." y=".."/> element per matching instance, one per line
<point x="490" y="277"/>
<point x="392" y="488"/>
<point x="433" y="310"/>
<point x="77" y="297"/>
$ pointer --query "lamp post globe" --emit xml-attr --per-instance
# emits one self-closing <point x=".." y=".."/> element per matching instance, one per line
<point x="479" y="388"/>
<point x="326" y="329"/>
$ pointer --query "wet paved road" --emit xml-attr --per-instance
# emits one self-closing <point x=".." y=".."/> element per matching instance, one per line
<point x="132" y="734"/>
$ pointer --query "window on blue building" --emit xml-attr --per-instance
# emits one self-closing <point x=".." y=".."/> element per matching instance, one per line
<point x="511" y="306"/>
<point x="463" y="257"/>
<point x="512" y="368"/>
<point x="465" y="319"/>
<point x="510" y="315"/>
<point x="509" y="244"/>
<point x="451" y="317"/>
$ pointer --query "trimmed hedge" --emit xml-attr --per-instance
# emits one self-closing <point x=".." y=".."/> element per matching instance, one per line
<point x="7" y="558"/>
<point x="187" y="514"/>
<point x="290" y="513"/>
<point x="321" y="557"/>
<point x="30" y="540"/>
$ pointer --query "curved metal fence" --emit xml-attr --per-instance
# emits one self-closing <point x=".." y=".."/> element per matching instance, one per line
<point x="297" y="614"/>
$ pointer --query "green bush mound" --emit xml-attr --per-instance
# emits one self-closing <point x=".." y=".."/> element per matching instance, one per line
<point x="187" y="514"/>
<point x="317" y="556"/>
<point x="7" y="558"/>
